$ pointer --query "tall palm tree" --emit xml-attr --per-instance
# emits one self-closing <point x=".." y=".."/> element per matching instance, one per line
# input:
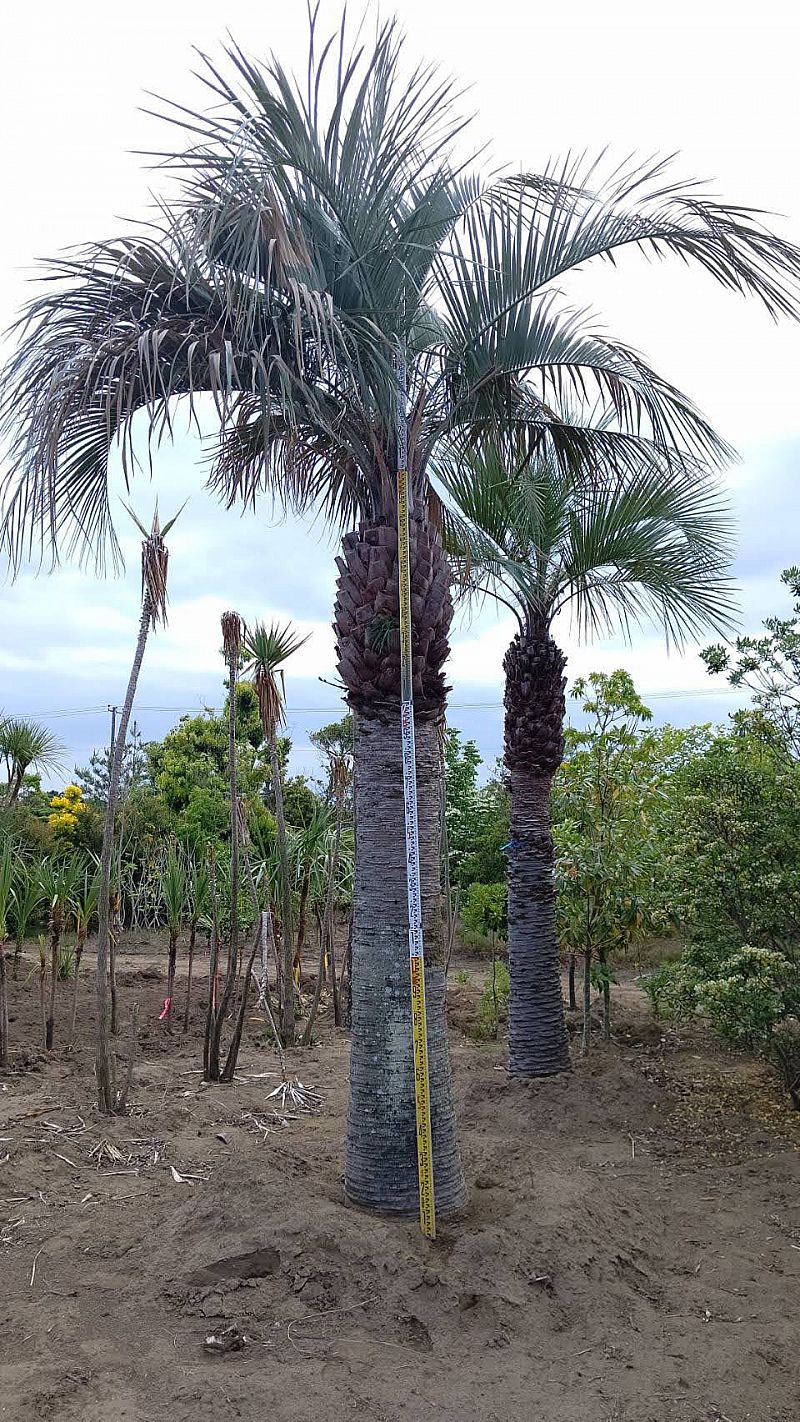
<point x="24" y="746"/>
<point x="317" y="231"/>
<point x="266" y="649"/>
<point x="656" y="544"/>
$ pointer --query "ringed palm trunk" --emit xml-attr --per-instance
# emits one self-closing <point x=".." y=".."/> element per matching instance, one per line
<point x="381" y="1153"/>
<point x="534" y="748"/>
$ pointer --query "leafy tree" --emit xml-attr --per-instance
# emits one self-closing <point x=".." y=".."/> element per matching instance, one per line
<point x="608" y="800"/>
<point x="734" y="831"/>
<point x="189" y="771"/>
<point x="769" y="666"/>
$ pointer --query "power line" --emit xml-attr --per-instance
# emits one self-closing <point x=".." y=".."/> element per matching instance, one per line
<point x="70" y="711"/>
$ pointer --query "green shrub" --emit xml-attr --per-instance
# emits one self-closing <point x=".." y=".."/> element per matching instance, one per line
<point x="484" y="910"/>
<point x="493" y="1006"/>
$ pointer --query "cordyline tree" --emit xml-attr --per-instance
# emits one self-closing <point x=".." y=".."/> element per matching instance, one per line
<point x="25" y="746"/>
<point x="318" y="231"/>
<point x="155" y="560"/>
<point x="265" y="650"/>
<point x="654" y="544"/>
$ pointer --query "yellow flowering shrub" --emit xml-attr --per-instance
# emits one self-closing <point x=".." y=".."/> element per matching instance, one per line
<point x="65" y="809"/>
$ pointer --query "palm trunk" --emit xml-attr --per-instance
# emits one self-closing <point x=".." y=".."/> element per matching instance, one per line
<point x="190" y="961"/>
<point x="113" y="939"/>
<point x="301" y="922"/>
<point x="381" y="1152"/>
<point x="587" y="1002"/>
<point x="78" y="955"/>
<point x="381" y="1159"/>
<point x="345" y="980"/>
<point x="326" y="941"/>
<point x="603" y="957"/>
<point x="55" y="939"/>
<point x="104" y="1059"/>
<point x="43" y="994"/>
<point x="171" y="962"/>
<point x="221" y="1008"/>
<point x="3" y="1009"/>
<point x="287" y="944"/>
<point x="534" y="700"/>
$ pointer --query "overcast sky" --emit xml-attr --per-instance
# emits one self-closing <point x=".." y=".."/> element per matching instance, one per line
<point x="715" y="81"/>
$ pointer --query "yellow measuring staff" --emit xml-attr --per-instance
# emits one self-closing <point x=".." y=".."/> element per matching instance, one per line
<point x="419" y="1027"/>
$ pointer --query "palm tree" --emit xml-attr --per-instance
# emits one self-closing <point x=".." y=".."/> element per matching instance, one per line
<point x="656" y="544"/>
<point x="314" y="235"/>
<point x="155" y="562"/>
<point x="266" y="649"/>
<point x="24" y="746"/>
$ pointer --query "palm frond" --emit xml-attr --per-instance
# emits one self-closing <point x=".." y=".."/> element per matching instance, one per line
<point x="655" y="546"/>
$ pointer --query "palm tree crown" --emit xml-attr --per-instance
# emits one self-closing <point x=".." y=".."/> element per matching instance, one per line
<point x="655" y="546"/>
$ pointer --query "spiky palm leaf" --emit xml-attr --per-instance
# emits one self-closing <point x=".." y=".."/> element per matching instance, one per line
<point x="26" y="745"/>
<point x="265" y="651"/>
<point x="656" y="546"/>
<point x="311" y="233"/>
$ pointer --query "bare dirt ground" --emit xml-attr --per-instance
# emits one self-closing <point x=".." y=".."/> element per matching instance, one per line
<point x="630" y="1252"/>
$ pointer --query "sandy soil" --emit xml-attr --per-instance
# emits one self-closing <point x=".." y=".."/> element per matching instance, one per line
<point x="631" y="1249"/>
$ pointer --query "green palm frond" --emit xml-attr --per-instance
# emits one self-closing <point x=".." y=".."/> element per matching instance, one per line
<point x="583" y="207"/>
<point x="314" y="226"/>
<point x="174" y="887"/>
<point x="653" y="547"/>
<point x="26" y="745"/>
<point x="265" y="651"/>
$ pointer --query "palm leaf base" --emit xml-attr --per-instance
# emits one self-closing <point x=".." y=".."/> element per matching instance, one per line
<point x="367" y="618"/>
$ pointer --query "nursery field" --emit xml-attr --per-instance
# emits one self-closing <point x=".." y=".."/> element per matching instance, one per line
<point x="630" y="1250"/>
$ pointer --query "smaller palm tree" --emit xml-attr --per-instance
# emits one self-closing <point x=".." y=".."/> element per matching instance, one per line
<point x="266" y="650"/>
<point x="24" y="746"/>
<point x="654" y="545"/>
<point x="175" y="899"/>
